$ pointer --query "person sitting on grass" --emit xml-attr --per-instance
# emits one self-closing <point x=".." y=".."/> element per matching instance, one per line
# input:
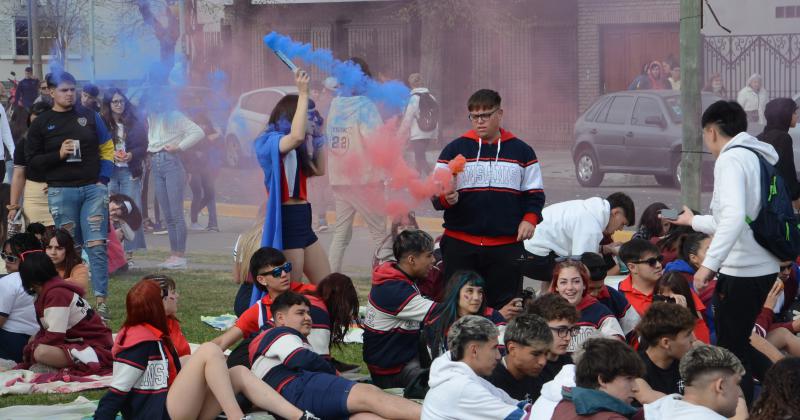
<point x="17" y="314"/>
<point x="151" y="383"/>
<point x="613" y="299"/>
<point x="169" y="290"/>
<point x="711" y="377"/>
<point x="665" y="334"/>
<point x="284" y="359"/>
<point x="463" y="296"/>
<point x="571" y="281"/>
<point x="528" y="340"/>
<point x="605" y="382"/>
<point x="780" y="336"/>
<point x="72" y="337"/>
<point x="457" y="388"/>
<point x="60" y="248"/>
<point x="561" y="317"/>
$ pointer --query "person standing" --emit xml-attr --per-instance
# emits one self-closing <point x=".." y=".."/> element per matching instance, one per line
<point x="7" y="145"/>
<point x="781" y="115"/>
<point x="420" y="122"/>
<point x="169" y="133"/>
<point x="90" y="97"/>
<point x="746" y="270"/>
<point x="351" y="119"/>
<point x="495" y="204"/>
<point x="675" y="77"/>
<point x="74" y="150"/>
<point x="27" y="89"/>
<point x="130" y="150"/>
<point x="753" y="98"/>
<point x="204" y="161"/>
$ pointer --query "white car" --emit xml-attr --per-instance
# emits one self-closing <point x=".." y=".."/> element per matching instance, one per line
<point x="248" y="119"/>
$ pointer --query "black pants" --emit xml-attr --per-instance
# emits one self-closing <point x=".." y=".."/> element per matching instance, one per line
<point x="498" y="265"/>
<point x="203" y="194"/>
<point x="737" y="303"/>
<point x="538" y="267"/>
<point x="420" y="147"/>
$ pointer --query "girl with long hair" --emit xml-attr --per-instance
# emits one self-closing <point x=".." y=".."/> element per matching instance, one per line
<point x="60" y="247"/>
<point x="674" y="286"/>
<point x="283" y="153"/>
<point x="246" y="245"/>
<point x="169" y="291"/>
<point x="18" y="320"/>
<point x="28" y="187"/>
<point x="571" y="281"/>
<point x="130" y="150"/>
<point x="650" y="225"/>
<point x="337" y="296"/>
<point x="464" y="295"/>
<point x="779" y="391"/>
<point x="692" y="249"/>
<point x="72" y="337"/>
<point x="151" y="383"/>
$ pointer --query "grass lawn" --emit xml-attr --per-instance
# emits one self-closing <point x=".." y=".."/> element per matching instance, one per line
<point x="201" y="293"/>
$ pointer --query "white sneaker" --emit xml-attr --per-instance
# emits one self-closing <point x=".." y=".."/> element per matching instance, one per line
<point x="174" y="263"/>
<point x="196" y="227"/>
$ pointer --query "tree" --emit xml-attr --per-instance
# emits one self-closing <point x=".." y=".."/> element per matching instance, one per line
<point x="165" y="22"/>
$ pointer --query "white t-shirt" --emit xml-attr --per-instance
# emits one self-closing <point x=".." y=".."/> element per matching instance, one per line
<point x="17" y="306"/>
<point x="120" y="146"/>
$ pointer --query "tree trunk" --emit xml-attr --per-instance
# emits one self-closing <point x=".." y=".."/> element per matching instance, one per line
<point x="431" y="60"/>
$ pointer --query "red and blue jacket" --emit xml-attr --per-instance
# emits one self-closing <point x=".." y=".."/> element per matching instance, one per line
<point x="626" y="314"/>
<point x="281" y="354"/>
<point x="500" y="187"/>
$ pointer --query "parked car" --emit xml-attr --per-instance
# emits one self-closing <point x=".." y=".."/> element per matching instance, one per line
<point x="634" y="132"/>
<point x="248" y="119"/>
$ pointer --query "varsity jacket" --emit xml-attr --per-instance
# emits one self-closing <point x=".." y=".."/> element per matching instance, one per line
<point x="501" y="185"/>
<point x="280" y="355"/>
<point x="144" y="368"/>
<point x="625" y="313"/>
<point x="395" y="311"/>
<point x="596" y="321"/>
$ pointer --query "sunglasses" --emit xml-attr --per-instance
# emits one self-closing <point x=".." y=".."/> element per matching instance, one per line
<point x="576" y="258"/>
<point x="786" y="267"/>
<point x="563" y="332"/>
<point x="276" y="272"/>
<point x="652" y="262"/>
<point x="9" y="258"/>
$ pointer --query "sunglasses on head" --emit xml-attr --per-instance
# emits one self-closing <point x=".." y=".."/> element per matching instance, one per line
<point x="652" y="261"/>
<point x="276" y="272"/>
<point x="576" y="258"/>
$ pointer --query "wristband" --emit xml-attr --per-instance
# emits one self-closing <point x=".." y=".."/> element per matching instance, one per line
<point x="12" y="206"/>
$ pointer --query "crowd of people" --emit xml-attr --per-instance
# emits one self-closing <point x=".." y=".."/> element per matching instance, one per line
<point x="699" y="326"/>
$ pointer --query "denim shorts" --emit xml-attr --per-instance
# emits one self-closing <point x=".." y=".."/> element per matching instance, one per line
<point x="323" y="394"/>
<point x="296" y="229"/>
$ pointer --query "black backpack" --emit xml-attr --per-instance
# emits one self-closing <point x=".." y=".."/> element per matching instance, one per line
<point x="775" y="227"/>
<point x="428" y="118"/>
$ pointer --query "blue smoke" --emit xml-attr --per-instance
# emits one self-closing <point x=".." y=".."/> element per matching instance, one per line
<point x="393" y="95"/>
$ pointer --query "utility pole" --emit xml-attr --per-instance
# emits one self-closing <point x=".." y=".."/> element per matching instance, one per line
<point x="33" y="28"/>
<point x="91" y="40"/>
<point x="691" y="156"/>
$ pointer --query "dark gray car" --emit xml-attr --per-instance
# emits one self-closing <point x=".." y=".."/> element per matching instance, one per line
<point x="633" y="132"/>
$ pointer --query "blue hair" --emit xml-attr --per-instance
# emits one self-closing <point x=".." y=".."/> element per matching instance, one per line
<point x="447" y="312"/>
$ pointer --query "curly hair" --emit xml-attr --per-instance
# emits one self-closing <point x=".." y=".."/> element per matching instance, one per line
<point x="778" y="399"/>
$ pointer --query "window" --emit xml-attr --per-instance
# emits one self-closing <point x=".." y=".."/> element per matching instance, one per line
<point x="644" y="109"/>
<point x="787" y="12"/>
<point x="21" y="44"/>
<point x="620" y="110"/>
<point x="594" y="110"/>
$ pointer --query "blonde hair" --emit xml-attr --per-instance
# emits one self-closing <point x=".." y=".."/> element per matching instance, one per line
<point x="249" y="243"/>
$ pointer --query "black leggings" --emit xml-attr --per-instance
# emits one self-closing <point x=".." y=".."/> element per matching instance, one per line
<point x="203" y="195"/>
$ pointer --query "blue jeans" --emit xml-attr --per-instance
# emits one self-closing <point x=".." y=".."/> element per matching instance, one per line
<point x="83" y="211"/>
<point x="169" y="179"/>
<point x="122" y="182"/>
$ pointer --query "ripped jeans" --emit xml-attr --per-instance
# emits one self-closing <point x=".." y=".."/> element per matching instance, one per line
<point x="83" y="211"/>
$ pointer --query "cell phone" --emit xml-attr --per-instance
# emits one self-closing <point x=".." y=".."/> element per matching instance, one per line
<point x="669" y="214"/>
<point x="663" y="298"/>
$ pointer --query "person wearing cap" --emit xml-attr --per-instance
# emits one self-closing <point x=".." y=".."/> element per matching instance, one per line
<point x="89" y="96"/>
<point x="27" y="89"/>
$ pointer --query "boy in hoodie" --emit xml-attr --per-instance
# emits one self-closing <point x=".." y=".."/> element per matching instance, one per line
<point x="781" y="115"/>
<point x="419" y="139"/>
<point x="351" y="119"/>
<point x="574" y="227"/>
<point x="458" y="391"/>
<point x="605" y="382"/>
<point x="528" y="340"/>
<point x="496" y="203"/>
<point x="711" y="376"/>
<point x="284" y="359"/>
<point x="395" y="311"/>
<point x="666" y="335"/>
<point x="745" y="270"/>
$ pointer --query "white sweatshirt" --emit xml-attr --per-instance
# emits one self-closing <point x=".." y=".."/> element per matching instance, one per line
<point x="546" y="404"/>
<point x="674" y="407"/>
<point x="409" y="127"/>
<point x="5" y="136"/>
<point x="570" y="228"/>
<point x="737" y="194"/>
<point x="457" y="393"/>
<point x="172" y="128"/>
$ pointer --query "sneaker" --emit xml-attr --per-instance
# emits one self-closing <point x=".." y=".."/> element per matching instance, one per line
<point x="309" y="416"/>
<point x="174" y="263"/>
<point x="322" y="228"/>
<point x="196" y="227"/>
<point x="102" y="310"/>
<point x="159" y="231"/>
<point x="213" y="229"/>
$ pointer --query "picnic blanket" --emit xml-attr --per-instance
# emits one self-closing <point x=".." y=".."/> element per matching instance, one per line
<point x="219" y="322"/>
<point x="23" y="381"/>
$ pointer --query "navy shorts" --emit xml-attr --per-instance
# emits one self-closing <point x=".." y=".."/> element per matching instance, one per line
<point x="323" y="394"/>
<point x="296" y="229"/>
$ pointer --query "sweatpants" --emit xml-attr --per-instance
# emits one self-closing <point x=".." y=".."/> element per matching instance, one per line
<point x="737" y="303"/>
<point x="498" y="265"/>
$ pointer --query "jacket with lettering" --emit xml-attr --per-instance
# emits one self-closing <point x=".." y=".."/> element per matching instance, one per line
<point x="500" y="187"/>
<point x="395" y="313"/>
<point x="626" y="314"/>
<point x="144" y="367"/>
<point x="281" y="354"/>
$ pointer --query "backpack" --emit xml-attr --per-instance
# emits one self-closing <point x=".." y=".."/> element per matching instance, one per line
<point x="428" y="118"/>
<point x="775" y="227"/>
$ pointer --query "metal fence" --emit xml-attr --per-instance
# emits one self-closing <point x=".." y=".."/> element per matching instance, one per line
<point x="775" y="57"/>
